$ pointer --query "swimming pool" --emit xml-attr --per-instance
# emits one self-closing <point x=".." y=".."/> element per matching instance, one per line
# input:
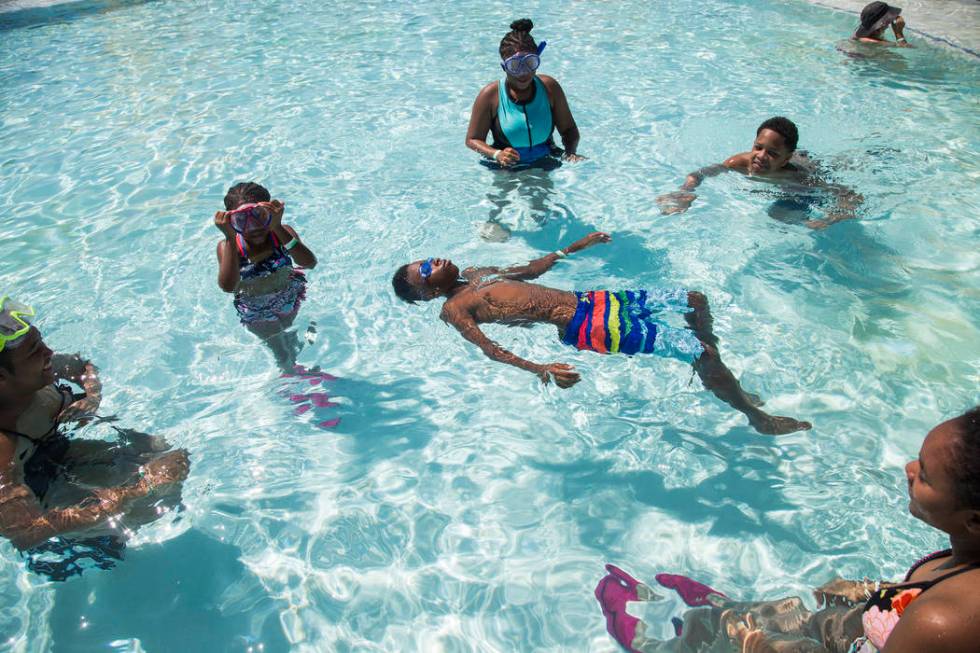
<point x="460" y="505"/>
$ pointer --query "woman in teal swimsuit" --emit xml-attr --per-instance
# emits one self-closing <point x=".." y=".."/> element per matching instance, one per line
<point x="523" y="109"/>
<point x="934" y="609"/>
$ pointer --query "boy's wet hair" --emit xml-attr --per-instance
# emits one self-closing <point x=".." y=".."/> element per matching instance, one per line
<point x="247" y="192"/>
<point x="518" y="39"/>
<point x="403" y="288"/>
<point x="966" y="455"/>
<point x="785" y="128"/>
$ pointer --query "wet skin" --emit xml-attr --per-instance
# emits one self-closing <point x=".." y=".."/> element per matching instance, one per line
<point x="770" y="158"/>
<point x="502" y="295"/>
<point x="520" y="89"/>
<point x="23" y="520"/>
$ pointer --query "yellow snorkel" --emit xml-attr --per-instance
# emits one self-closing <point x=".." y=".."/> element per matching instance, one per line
<point x="14" y="321"/>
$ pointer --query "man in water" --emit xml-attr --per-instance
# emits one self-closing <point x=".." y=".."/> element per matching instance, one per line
<point x="773" y="157"/>
<point x="50" y="485"/>
<point x="601" y="321"/>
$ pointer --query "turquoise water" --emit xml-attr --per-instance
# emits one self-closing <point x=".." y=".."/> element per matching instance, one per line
<point x="460" y="505"/>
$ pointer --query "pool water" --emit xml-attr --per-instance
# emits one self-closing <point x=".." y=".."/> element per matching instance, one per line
<point x="460" y="505"/>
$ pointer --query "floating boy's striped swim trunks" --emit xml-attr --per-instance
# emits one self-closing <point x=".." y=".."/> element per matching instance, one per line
<point x="624" y="322"/>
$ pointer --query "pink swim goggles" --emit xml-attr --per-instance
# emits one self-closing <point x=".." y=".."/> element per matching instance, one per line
<point x="250" y="217"/>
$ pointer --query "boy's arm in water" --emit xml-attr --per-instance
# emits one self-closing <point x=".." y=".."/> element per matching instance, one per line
<point x="565" y="375"/>
<point x="81" y="372"/>
<point x="26" y="524"/>
<point x="846" y="202"/>
<point x="679" y="201"/>
<point x="539" y="266"/>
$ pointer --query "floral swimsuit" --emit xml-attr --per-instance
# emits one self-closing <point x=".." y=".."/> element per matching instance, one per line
<point x="276" y="305"/>
<point x="885" y="607"/>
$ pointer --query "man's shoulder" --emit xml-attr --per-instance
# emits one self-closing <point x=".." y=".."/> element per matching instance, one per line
<point x="738" y="161"/>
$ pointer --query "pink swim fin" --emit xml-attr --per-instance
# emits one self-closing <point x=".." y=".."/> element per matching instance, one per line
<point x="314" y="376"/>
<point x="613" y="592"/>
<point x="691" y="591"/>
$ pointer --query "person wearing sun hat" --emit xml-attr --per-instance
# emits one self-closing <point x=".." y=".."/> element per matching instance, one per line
<point x="875" y="19"/>
<point x="52" y="486"/>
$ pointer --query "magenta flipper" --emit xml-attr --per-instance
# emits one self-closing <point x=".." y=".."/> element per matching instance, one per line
<point x="613" y="592"/>
<point x="692" y="592"/>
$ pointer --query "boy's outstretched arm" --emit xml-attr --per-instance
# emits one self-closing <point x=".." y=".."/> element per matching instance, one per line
<point x="565" y="375"/>
<point x="539" y="266"/>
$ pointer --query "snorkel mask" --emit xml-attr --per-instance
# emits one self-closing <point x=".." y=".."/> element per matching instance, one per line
<point x="250" y="217"/>
<point x="523" y="64"/>
<point x="14" y="322"/>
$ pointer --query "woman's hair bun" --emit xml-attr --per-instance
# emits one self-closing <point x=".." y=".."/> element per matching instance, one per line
<point x="522" y="25"/>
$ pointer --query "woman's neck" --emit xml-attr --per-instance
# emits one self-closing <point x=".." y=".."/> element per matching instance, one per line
<point x="966" y="550"/>
<point x="519" y="95"/>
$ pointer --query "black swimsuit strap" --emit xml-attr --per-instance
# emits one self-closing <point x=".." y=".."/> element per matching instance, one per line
<point x="926" y="584"/>
<point x="65" y="393"/>
<point x="945" y="553"/>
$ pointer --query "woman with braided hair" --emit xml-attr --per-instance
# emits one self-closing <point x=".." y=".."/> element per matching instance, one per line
<point x="523" y="109"/>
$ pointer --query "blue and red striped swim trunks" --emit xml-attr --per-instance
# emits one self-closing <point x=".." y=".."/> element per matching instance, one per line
<point x="624" y="322"/>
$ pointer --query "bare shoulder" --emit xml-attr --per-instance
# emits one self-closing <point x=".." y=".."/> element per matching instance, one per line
<point x="453" y="310"/>
<point x="946" y="619"/>
<point x="552" y="86"/>
<point x="489" y="92"/>
<point x="738" y="161"/>
<point x="549" y="82"/>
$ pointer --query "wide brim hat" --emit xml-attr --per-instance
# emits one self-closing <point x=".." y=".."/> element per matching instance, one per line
<point x="876" y="16"/>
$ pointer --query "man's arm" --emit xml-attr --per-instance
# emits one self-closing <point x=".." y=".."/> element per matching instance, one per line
<point x="565" y="375"/>
<point x="24" y="522"/>
<point x="81" y="372"/>
<point x="539" y="266"/>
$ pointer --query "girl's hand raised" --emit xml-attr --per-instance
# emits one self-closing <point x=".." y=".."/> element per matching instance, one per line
<point x="222" y="220"/>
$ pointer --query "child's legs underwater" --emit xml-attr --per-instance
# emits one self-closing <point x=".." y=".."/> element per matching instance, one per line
<point x="717" y="378"/>
<point x="276" y="334"/>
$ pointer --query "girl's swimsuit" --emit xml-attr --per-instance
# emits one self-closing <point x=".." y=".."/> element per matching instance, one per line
<point x="525" y="127"/>
<point x="280" y="303"/>
<point x="885" y="607"/>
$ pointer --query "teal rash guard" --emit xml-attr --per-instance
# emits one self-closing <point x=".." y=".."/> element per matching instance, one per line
<point x="525" y="127"/>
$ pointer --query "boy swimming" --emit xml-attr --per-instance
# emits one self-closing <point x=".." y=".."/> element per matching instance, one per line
<point x="601" y="321"/>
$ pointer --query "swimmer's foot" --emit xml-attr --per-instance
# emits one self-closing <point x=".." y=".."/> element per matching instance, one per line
<point x="776" y="424"/>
